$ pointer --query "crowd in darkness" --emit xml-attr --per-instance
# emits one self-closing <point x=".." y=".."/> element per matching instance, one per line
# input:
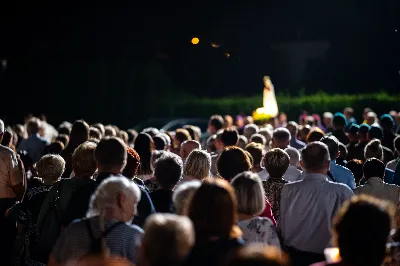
<point x="317" y="190"/>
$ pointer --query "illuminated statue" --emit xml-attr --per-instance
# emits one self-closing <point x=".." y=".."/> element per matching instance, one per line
<point x="269" y="100"/>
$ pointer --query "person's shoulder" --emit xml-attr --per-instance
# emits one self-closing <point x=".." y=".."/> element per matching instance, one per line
<point x="133" y="228"/>
<point x="342" y="168"/>
<point x="6" y="150"/>
<point x="341" y="188"/>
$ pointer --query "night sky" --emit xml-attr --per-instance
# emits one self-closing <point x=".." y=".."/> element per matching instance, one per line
<point x="99" y="62"/>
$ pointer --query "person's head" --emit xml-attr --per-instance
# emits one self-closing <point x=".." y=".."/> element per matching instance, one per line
<point x="249" y="193"/>
<point x="110" y="155"/>
<point x="131" y="136"/>
<point x="352" y="234"/>
<point x="132" y="163"/>
<point x="210" y="144"/>
<point x="160" y="142"/>
<point x="294" y="156"/>
<point x="193" y="131"/>
<point x="327" y="119"/>
<point x="396" y="144"/>
<point x="242" y="142"/>
<point x="229" y="137"/>
<point x="63" y="138"/>
<point x="233" y="161"/>
<point x="363" y="132"/>
<point x="371" y="118"/>
<point x="267" y="133"/>
<point x="167" y="240"/>
<point x="152" y="131"/>
<point x="281" y="138"/>
<point x="50" y="168"/>
<point x="356" y="167"/>
<point x="342" y="151"/>
<point x="276" y="162"/>
<point x="55" y="147"/>
<point x="366" y="111"/>
<point x="181" y="135"/>
<point x="315" y="135"/>
<point x="250" y="130"/>
<point x="374" y="149"/>
<point x="83" y="162"/>
<point x="257" y="254"/>
<point x="116" y="198"/>
<point x="339" y="121"/>
<point x="293" y="128"/>
<point x="215" y="124"/>
<point x="33" y="126"/>
<point x="256" y="152"/>
<point x="144" y="146"/>
<point x="79" y="134"/>
<point x="386" y="121"/>
<point x="100" y="127"/>
<point x="373" y="167"/>
<point x="303" y="132"/>
<point x="375" y="132"/>
<point x="7" y="138"/>
<point x="168" y="171"/>
<point x="213" y="211"/>
<point x="157" y="155"/>
<point x="182" y="195"/>
<point x="94" y="133"/>
<point x="348" y="112"/>
<point x="218" y="142"/>
<point x="109" y="131"/>
<point x="258" y="138"/>
<point x="353" y="132"/>
<point x="122" y="134"/>
<point x="333" y="145"/>
<point x="1" y="130"/>
<point x="315" y="158"/>
<point x="228" y="121"/>
<point x="187" y="147"/>
<point x="198" y="164"/>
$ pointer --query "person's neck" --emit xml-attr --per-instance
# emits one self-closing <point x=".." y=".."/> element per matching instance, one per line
<point x="316" y="172"/>
<point x="275" y="178"/>
<point x="243" y="217"/>
<point x="114" y="171"/>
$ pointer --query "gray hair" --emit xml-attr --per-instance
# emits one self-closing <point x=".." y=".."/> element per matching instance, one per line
<point x="281" y="134"/>
<point x="327" y="115"/>
<point x="294" y="155"/>
<point x="314" y="156"/>
<point x="198" y="164"/>
<point x="183" y="193"/>
<point x="50" y="166"/>
<point x="250" y="130"/>
<point x="249" y="193"/>
<point x="1" y="126"/>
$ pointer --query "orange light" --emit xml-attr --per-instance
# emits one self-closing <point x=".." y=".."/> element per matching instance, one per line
<point x="195" y="40"/>
<point x="214" y="45"/>
<point x="227" y="55"/>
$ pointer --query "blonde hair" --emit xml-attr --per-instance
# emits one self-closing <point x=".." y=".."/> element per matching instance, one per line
<point x="83" y="162"/>
<point x="198" y="164"/>
<point x="249" y="193"/>
<point x="50" y="166"/>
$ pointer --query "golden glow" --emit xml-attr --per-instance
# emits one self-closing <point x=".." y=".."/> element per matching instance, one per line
<point x="227" y="55"/>
<point x="214" y="45"/>
<point x="195" y="40"/>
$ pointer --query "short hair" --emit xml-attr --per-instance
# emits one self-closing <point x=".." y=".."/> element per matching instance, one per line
<point x="250" y="193"/>
<point x="83" y="162"/>
<point x="168" y="170"/>
<point x="258" y="138"/>
<point x="63" y="138"/>
<point x="267" y="133"/>
<point x="315" y="134"/>
<point x="1" y="126"/>
<point x="314" y="156"/>
<point x="160" y="142"/>
<point x="183" y="193"/>
<point x="229" y="137"/>
<point x="249" y="130"/>
<point x="217" y="122"/>
<point x="276" y="161"/>
<point x="356" y="167"/>
<point x="33" y="125"/>
<point x="110" y="152"/>
<point x="50" y="166"/>
<point x="374" y="168"/>
<point x="152" y="131"/>
<point x="210" y="143"/>
<point x="373" y="149"/>
<point x="281" y="134"/>
<point x="257" y="254"/>
<point x="294" y="155"/>
<point x="233" y="161"/>
<point x="343" y="150"/>
<point x="155" y="155"/>
<point x="131" y="135"/>
<point x="109" y="131"/>
<point x="386" y="122"/>
<point x="123" y="135"/>
<point x="333" y="145"/>
<point x="198" y="164"/>
<point x="353" y="129"/>
<point x="175" y="230"/>
<point x="293" y="127"/>
<point x="396" y="143"/>
<point x="256" y="151"/>
<point x="94" y="133"/>
<point x="193" y="131"/>
<point x="100" y="127"/>
<point x="363" y="129"/>
<point x="55" y="147"/>
<point x="132" y="163"/>
<point x="167" y="137"/>
<point x="375" y="132"/>
<point x="213" y="211"/>
<point x="242" y="141"/>
<point x="354" y="220"/>
<point x="327" y="115"/>
<point x="339" y="120"/>
<point x="182" y="135"/>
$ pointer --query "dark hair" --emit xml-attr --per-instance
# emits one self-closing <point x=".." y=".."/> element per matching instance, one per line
<point x="333" y="145"/>
<point x="351" y="224"/>
<point x="315" y="135"/>
<point x="7" y="137"/>
<point x="353" y="129"/>
<point x="182" y="135"/>
<point x="194" y="134"/>
<point x="386" y="122"/>
<point x="159" y="142"/>
<point x="276" y="161"/>
<point x="213" y="210"/>
<point x="100" y="127"/>
<point x="396" y="143"/>
<point x="374" y="168"/>
<point x="79" y="134"/>
<point x="152" y="131"/>
<point x="363" y="129"/>
<point x="256" y="151"/>
<point x="63" y="138"/>
<point x="339" y="120"/>
<point x="110" y="152"/>
<point x="168" y="170"/>
<point x="375" y="132"/>
<point x="64" y="129"/>
<point x="132" y="163"/>
<point x="123" y="135"/>
<point x="55" y="148"/>
<point x="293" y="127"/>
<point x="94" y="133"/>
<point x="258" y="138"/>
<point x="343" y="151"/>
<point x="109" y="131"/>
<point x="281" y="134"/>
<point x="356" y="167"/>
<point x="210" y="143"/>
<point x="144" y="146"/>
<point x="314" y="156"/>
<point x="230" y="137"/>
<point x="216" y="121"/>
<point x="131" y="135"/>
<point x="233" y="161"/>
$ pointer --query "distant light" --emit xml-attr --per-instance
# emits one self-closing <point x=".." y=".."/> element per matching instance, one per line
<point x="227" y="55"/>
<point x="195" y="40"/>
<point x="395" y="30"/>
<point x="214" y="45"/>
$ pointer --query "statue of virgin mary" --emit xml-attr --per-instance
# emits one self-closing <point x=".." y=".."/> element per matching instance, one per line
<point x="270" y="107"/>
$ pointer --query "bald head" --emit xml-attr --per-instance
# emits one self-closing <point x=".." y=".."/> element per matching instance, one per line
<point x="315" y="158"/>
<point x="187" y="147"/>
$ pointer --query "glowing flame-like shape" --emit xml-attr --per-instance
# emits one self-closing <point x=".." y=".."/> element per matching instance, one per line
<point x="214" y="45"/>
<point x="195" y="40"/>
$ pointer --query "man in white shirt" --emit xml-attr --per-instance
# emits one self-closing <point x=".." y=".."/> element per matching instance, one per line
<point x="308" y="206"/>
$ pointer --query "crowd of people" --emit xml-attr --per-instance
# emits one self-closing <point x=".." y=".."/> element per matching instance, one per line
<point x="306" y="192"/>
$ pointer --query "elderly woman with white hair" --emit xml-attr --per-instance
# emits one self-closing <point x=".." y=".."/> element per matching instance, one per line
<point x="107" y="230"/>
<point x="293" y="173"/>
<point x="197" y="166"/>
<point x="182" y="195"/>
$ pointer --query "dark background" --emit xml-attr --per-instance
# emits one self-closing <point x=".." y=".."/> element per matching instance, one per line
<point x="116" y="64"/>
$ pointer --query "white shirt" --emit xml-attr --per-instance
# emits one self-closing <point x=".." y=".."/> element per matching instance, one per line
<point x="392" y="164"/>
<point x="292" y="174"/>
<point x="263" y="174"/>
<point x="10" y="174"/>
<point x="259" y="230"/>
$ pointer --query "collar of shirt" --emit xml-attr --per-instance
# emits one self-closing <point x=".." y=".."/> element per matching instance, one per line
<point x="315" y="176"/>
<point x="375" y="180"/>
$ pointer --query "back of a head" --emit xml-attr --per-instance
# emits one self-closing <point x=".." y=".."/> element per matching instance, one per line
<point x="374" y="149"/>
<point x="100" y="127"/>
<point x="333" y="146"/>
<point x="94" y="133"/>
<point x="109" y="131"/>
<point x="256" y="151"/>
<point x="131" y="135"/>
<point x="233" y="161"/>
<point x="374" y="168"/>
<point x="79" y="133"/>
<point x="256" y="254"/>
<point x="217" y="122"/>
<point x="144" y="144"/>
<point x="183" y="193"/>
<point x="50" y="167"/>
<point x="386" y="121"/>
<point x="356" y="167"/>
<point x="110" y="153"/>
<point x="182" y="135"/>
<point x="315" y="156"/>
<point x="198" y="164"/>
<point x="343" y="150"/>
<point x="160" y="142"/>
<point x="358" y="244"/>
<point x="276" y="161"/>
<point x="315" y="135"/>
<point x="193" y="131"/>
<point x="55" y="147"/>
<point x="132" y="163"/>
<point x="32" y="126"/>
<point x="375" y="132"/>
<point x="294" y="155"/>
<point x="281" y="138"/>
<point x="339" y="121"/>
<point x="168" y="170"/>
<point x="258" y="138"/>
<point x="176" y="231"/>
<point x="267" y="133"/>
<point x="353" y="129"/>
<point x="230" y="137"/>
<point x="250" y="130"/>
<point x="293" y="128"/>
<point x="83" y="162"/>
<point x="152" y="131"/>
<point x="363" y="130"/>
<point x="242" y="142"/>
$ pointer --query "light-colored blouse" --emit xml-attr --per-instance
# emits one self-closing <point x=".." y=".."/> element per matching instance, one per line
<point x="260" y="230"/>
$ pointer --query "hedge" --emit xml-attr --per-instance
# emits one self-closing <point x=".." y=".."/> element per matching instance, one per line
<point x="320" y="102"/>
